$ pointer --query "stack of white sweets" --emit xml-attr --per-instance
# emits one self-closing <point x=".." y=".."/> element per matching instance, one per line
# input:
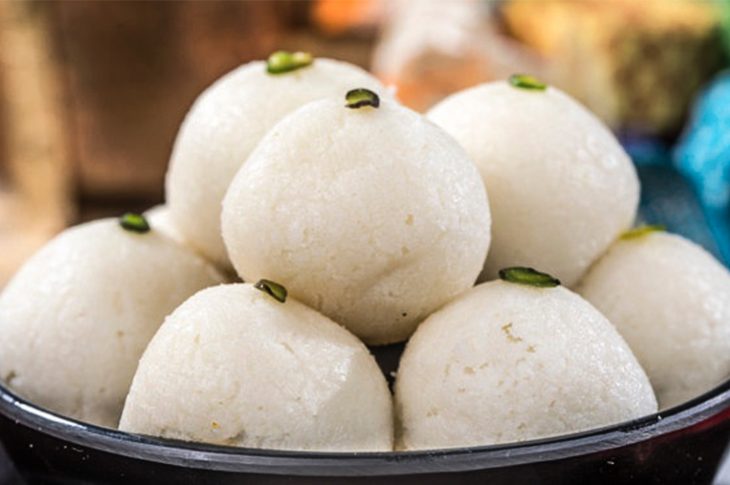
<point x="354" y="220"/>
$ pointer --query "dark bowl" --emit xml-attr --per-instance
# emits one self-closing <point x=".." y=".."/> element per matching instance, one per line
<point x="683" y="445"/>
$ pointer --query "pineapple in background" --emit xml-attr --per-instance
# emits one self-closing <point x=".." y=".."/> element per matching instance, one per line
<point x="638" y="65"/>
<point x="725" y="10"/>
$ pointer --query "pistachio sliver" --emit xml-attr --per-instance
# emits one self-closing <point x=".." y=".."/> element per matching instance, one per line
<point x="134" y="222"/>
<point x="273" y="289"/>
<point x="637" y="232"/>
<point x="357" y="98"/>
<point x="526" y="81"/>
<point x="528" y="276"/>
<point x="283" y="61"/>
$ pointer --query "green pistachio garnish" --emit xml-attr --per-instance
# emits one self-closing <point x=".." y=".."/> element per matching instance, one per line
<point x="282" y="61"/>
<point x="134" y="222"/>
<point x="357" y="98"/>
<point x="637" y="232"/>
<point x="275" y="290"/>
<point x="525" y="81"/>
<point x="528" y="276"/>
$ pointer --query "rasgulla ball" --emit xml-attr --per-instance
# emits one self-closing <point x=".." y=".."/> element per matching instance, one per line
<point x="76" y="318"/>
<point x="373" y="216"/>
<point x="225" y="124"/>
<point x="507" y="362"/>
<point x="236" y="366"/>
<point x="560" y="186"/>
<point x="670" y="300"/>
<point x="160" y="219"/>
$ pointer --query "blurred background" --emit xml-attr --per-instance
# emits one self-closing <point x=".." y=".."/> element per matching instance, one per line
<point x="92" y="93"/>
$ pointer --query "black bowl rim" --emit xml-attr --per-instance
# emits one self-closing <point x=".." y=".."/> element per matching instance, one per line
<point x="304" y="463"/>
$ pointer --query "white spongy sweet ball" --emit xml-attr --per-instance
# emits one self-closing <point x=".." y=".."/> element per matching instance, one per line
<point x="225" y="124"/>
<point x="160" y="220"/>
<point x="670" y="300"/>
<point x="373" y="216"/>
<point x="234" y="366"/>
<point x="506" y="363"/>
<point x="561" y="188"/>
<point x="78" y="315"/>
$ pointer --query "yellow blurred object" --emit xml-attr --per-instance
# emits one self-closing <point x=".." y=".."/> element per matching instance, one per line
<point x="637" y="64"/>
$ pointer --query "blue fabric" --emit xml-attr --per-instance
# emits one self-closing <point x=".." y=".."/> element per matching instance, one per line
<point x="703" y="157"/>
<point x="666" y="197"/>
<point x="703" y="154"/>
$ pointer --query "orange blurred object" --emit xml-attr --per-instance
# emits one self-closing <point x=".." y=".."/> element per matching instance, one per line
<point x="336" y="17"/>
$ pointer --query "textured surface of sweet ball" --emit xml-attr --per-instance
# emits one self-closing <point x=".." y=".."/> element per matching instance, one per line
<point x="234" y="366"/>
<point x="160" y="219"/>
<point x="225" y="124"/>
<point x="670" y="300"/>
<point x="560" y="186"/>
<point x="375" y="217"/>
<point x="76" y="318"/>
<point x="507" y="362"/>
